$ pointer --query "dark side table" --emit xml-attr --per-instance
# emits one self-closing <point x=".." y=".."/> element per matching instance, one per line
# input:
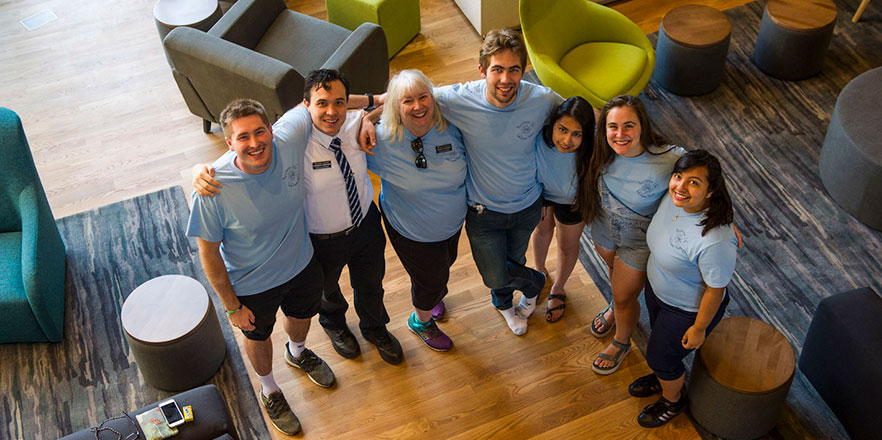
<point x="199" y="14"/>
<point x="173" y="332"/>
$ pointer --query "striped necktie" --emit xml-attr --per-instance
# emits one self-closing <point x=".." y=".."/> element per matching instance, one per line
<point x="351" y="189"/>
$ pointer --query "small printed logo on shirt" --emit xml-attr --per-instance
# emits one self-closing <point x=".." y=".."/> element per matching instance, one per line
<point x="525" y="130"/>
<point x="446" y="148"/>
<point x="678" y="239"/>
<point x="646" y="188"/>
<point x="321" y="165"/>
<point x="292" y="175"/>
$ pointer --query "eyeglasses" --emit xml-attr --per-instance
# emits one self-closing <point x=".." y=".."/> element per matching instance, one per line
<point x="134" y="435"/>
<point x="417" y="146"/>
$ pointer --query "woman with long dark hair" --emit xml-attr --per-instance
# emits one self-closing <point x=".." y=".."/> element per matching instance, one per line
<point x="618" y="193"/>
<point x="692" y="257"/>
<point x="562" y="147"/>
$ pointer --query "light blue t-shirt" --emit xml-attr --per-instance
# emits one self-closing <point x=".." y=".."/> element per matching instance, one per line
<point x="499" y="141"/>
<point x="682" y="263"/>
<point x="259" y="218"/>
<point x="640" y="182"/>
<point x="557" y="173"/>
<point x="422" y="204"/>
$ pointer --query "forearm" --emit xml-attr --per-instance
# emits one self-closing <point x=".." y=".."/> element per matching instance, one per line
<point x="362" y="101"/>
<point x="710" y="303"/>
<point x="374" y="116"/>
<point x="216" y="272"/>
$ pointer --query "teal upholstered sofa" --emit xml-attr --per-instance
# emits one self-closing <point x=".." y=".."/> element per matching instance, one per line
<point x="31" y="251"/>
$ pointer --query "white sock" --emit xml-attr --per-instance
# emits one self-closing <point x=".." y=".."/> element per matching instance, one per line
<point x="526" y="306"/>
<point x="268" y="384"/>
<point x="296" y="348"/>
<point x="517" y="324"/>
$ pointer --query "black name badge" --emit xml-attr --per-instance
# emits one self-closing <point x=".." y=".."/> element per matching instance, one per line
<point x="321" y="165"/>
<point x="446" y="148"/>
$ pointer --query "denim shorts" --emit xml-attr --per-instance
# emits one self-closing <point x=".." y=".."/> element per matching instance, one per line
<point x="618" y="228"/>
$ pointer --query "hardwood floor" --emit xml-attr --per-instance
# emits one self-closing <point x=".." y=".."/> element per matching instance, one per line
<point x="106" y="122"/>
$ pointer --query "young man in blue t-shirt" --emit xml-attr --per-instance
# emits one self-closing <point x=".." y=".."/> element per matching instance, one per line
<point x="254" y="246"/>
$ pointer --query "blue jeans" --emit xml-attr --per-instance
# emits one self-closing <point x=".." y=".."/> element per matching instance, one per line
<point x="499" y="244"/>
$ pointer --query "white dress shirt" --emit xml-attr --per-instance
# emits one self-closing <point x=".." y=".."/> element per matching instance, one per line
<point x="327" y="206"/>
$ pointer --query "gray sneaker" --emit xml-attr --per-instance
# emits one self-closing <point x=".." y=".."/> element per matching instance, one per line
<point x="280" y="413"/>
<point x="315" y="368"/>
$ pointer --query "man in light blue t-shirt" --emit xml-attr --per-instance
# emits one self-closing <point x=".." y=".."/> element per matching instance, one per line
<point x="254" y="246"/>
<point x="499" y="118"/>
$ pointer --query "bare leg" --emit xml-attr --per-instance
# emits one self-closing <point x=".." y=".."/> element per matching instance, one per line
<point x="567" y="255"/>
<point x="626" y="286"/>
<point x="424" y="315"/>
<point x="541" y="238"/>
<point x="296" y="328"/>
<point x="260" y="353"/>
<point x="671" y="388"/>
<point x="609" y="258"/>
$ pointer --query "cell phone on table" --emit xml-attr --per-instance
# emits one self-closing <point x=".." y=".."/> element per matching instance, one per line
<point x="172" y="412"/>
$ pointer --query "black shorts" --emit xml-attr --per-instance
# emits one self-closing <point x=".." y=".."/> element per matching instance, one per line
<point x="300" y="297"/>
<point x="564" y="214"/>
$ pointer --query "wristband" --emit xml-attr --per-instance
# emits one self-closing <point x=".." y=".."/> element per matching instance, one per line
<point x="230" y="312"/>
<point x="370" y="106"/>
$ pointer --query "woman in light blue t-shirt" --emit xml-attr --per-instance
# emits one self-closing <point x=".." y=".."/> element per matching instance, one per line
<point x="562" y="147"/>
<point x="421" y="162"/>
<point x="692" y="246"/>
<point x="618" y="195"/>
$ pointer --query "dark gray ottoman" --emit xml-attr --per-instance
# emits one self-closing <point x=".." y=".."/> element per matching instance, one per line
<point x="851" y="158"/>
<point x="740" y="378"/>
<point x="690" y="55"/>
<point x="793" y="38"/>
<point x="842" y="358"/>
<point x="211" y="419"/>
<point x="173" y="332"/>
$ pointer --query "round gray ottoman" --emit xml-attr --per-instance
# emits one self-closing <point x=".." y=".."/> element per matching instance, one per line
<point x="851" y="158"/>
<point x="740" y="378"/>
<point x="793" y="38"/>
<point x="173" y="332"/>
<point x="690" y="55"/>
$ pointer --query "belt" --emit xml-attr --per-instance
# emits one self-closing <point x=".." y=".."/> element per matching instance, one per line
<point x="342" y="233"/>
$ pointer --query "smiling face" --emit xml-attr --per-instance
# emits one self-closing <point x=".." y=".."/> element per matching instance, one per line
<point x="566" y="134"/>
<point x="503" y="74"/>
<point x="623" y="131"/>
<point x="417" y="109"/>
<point x="251" y="140"/>
<point x="689" y="189"/>
<point x="328" y="107"/>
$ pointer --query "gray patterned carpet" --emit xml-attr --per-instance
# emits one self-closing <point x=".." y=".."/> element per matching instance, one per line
<point x="50" y="390"/>
<point x="799" y="246"/>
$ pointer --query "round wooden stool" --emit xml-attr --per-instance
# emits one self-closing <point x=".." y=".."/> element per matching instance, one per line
<point x="740" y="378"/>
<point x="793" y="37"/>
<point x="199" y="14"/>
<point x="690" y="55"/>
<point x="173" y="332"/>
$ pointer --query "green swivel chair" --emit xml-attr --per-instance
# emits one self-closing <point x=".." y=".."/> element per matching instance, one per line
<point x="31" y="250"/>
<point x="580" y="48"/>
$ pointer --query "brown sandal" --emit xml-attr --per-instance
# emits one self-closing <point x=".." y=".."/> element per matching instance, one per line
<point x="549" y="315"/>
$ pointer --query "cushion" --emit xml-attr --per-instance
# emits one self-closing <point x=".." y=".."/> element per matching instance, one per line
<point x="300" y="41"/>
<point x="581" y="63"/>
<point x="13" y="299"/>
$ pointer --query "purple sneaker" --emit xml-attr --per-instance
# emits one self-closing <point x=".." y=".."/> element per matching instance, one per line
<point x="431" y="335"/>
<point x="439" y="311"/>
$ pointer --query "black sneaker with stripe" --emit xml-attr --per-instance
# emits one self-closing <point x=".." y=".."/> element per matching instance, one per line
<point x="661" y="412"/>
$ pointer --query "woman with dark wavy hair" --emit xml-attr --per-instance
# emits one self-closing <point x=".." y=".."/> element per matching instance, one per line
<point x="692" y="245"/>
<point x="618" y="193"/>
<point x="562" y="147"/>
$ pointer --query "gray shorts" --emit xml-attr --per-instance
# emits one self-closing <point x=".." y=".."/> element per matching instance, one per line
<point x="622" y="230"/>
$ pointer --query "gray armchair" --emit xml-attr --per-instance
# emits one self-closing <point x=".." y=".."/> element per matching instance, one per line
<point x="262" y="50"/>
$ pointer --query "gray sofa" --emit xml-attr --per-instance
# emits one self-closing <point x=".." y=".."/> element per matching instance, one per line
<point x="211" y="419"/>
<point x="262" y="50"/>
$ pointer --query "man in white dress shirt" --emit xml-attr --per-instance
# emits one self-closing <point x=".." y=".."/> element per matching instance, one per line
<point x="343" y="221"/>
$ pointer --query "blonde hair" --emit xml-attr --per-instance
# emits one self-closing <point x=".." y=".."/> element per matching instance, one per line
<point x="407" y="81"/>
